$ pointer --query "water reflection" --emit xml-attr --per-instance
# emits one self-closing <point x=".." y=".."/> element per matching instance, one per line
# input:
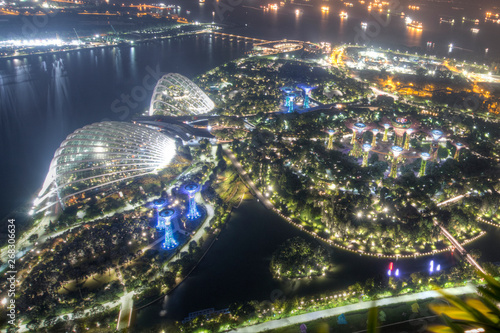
<point x="239" y="270"/>
<point x="39" y="105"/>
<point x="58" y="90"/>
<point x="413" y="36"/>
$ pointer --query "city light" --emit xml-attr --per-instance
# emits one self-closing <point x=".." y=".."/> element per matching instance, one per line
<point x="313" y="157"/>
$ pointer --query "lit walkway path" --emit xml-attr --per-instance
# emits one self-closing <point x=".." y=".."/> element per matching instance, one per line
<point x="297" y="320"/>
<point x="268" y="204"/>
<point x="125" y="315"/>
<point x="454" y="199"/>
<point x="452" y="239"/>
<point x="461" y="249"/>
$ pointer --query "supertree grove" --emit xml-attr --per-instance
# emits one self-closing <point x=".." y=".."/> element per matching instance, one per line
<point x="436" y="135"/>
<point x="396" y="152"/>
<point x="193" y="212"/>
<point x="166" y="217"/>
<point x="425" y="157"/>
<point x="459" y="146"/>
<point x="330" y="139"/>
<point x="366" y="151"/>
<point x="375" y="131"/>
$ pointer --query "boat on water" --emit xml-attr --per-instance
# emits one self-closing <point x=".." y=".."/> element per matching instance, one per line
<point x="474" y="30"/>
<point x="343" y="15"/>
<point x="447" y="20"/>
<point x="413" y="24"/>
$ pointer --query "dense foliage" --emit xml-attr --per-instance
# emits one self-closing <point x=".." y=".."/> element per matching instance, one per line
<point x="297" y="258"/>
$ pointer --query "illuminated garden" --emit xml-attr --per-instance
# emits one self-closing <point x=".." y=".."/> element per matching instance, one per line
<point x="372" y="176"/>
<point x="129" y="210"/>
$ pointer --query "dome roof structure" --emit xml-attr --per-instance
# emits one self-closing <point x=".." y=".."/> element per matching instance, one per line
<point x="99" y="155"/>
<point x="176" y="95"/>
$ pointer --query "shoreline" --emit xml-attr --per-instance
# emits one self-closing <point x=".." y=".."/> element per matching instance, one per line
<point x="124" y="44"/>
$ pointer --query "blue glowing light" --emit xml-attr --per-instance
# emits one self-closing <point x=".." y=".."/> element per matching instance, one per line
<point x="397" y="272"/>
<point x="389" y="272"/>
<point x="306" y="101"/>
<point x="164" y="218"/>
<point x="290" y="99"/>
<point x="159" y="203"/>
<point x="431" y="266"/>
<point x="438" y="268"/>
<point x="192" y="209"/>
<point x="397" y="149"/>
<point x="169" y="242"/>
<point x="360" y="127"/>
<point x="436" y="134"/>
<point x="425" y="156"/>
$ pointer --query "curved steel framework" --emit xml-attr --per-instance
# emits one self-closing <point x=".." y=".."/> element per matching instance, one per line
<point x="101" y="154"/>
<point x="176" y="95"/>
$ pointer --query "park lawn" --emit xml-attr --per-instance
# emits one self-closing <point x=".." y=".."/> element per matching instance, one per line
<point x="356" y="321"/>
<point x="231" y="188"/>
<point x="94" y="282"/>
<point x="98" y="281"/>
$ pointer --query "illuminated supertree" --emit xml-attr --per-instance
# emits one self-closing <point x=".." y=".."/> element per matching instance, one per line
<point x="386" y="131"/>
<point x="291" y="100"/>
<point x="400" y="125"/>
<point x="287" y="92"/>
<point x="307" y="89"/>
<point x="193" y="213"/>
<point x="353" y="139"/>
<point x="425" y="157"/>
<point x="409" y="131"/>
<point x="459" y="146"/>
<point x="166" y="216"/>
<point x="330" y="139"/>
<point x="374" y="140"/>
<point x="436" y="135"/>
<point x="357" y="135"/>
<point x="396" y="152"/>
<point x="366" y="151"/>
<point x="158" y="204"/>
